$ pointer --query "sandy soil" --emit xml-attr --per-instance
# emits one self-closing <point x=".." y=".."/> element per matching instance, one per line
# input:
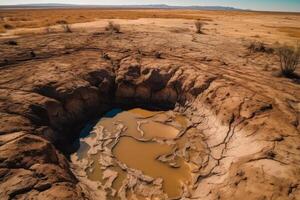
<point x="245" y="114"/>
<point x="243" y="24"/>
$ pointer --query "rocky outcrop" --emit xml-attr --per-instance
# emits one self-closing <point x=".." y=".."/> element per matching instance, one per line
<point x="31" y="166"/>
<point x="158" y="81"/>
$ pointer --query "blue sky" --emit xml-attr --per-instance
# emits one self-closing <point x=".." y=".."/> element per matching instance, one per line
<point x="280" y="5"/>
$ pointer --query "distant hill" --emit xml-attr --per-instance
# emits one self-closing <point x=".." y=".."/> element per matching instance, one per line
<point x="154" y="6"/>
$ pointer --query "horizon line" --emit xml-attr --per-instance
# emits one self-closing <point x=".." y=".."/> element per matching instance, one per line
<point x="230" y="8"/>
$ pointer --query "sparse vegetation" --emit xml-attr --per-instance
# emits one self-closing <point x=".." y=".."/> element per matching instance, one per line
<point x="157" y="55"/>
<point x="199" y="25"/>
<point x="65" y="25"/>
<point x="113" y="28"/>
<point x="257" y="46"/>
<point x="289" y="59"/>
<point x="105" y="56"/>
<point x="11" y="42"/>
<point x="48" y="17"/>
<point x="8" y="26"/>
<point x="32" y="54"/>
<point x="66" y="28"/>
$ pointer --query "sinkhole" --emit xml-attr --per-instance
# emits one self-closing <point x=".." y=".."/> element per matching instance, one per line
<point x="136" y="153"/>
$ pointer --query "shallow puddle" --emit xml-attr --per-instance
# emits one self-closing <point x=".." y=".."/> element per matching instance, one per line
<point x="136" y="141"/>
<point x="142" y="156"/>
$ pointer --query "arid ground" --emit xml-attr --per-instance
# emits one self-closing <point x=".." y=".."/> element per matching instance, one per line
<point x="61" y="68"/>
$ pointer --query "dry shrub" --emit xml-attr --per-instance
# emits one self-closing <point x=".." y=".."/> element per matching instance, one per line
<point x="65" y="25"/>
<point x="158" y="55"/>
<point x="11" y="42"/>
<point x="105" y="56"/>
<point x="113" y="28"/>
<point x="66" y="28"/>
<point x="8" y="26"/>
<point x="255" y="47"/>
<point x="199" y="25"/>
<point x="289" y="59"/>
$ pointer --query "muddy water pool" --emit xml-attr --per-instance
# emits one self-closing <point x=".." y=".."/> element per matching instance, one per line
<point x="133" y="154"/>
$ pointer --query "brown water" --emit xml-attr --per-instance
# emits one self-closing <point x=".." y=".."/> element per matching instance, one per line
<point x="137" y="149"/>
<point x="142" y="156"/>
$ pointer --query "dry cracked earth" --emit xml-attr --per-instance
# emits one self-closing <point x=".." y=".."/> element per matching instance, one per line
<point x="244" y="121"/>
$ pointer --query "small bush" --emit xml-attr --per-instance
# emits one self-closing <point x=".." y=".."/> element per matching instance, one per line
<point x="199" y="25"/>
<point x="113" y="28"/>
<point x="11" y="42"/>
<point x="255" y="47"/>
<point x="289" y="59"/>
<point x="157" y="55"/>
<point x="66" y="28"/>
<point x="32" y="54"/>
<point x="8" y="26"/>
<point x="64" y="24"/>
<point x="105" y="56"/>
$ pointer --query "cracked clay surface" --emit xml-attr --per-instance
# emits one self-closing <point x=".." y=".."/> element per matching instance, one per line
<point x="243" y="131"/>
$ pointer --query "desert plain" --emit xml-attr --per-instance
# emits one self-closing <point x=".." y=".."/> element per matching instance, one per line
<point x="60" y="68"/>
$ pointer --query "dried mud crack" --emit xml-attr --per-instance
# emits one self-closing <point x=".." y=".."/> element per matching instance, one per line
<point x="242" y="135"/>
